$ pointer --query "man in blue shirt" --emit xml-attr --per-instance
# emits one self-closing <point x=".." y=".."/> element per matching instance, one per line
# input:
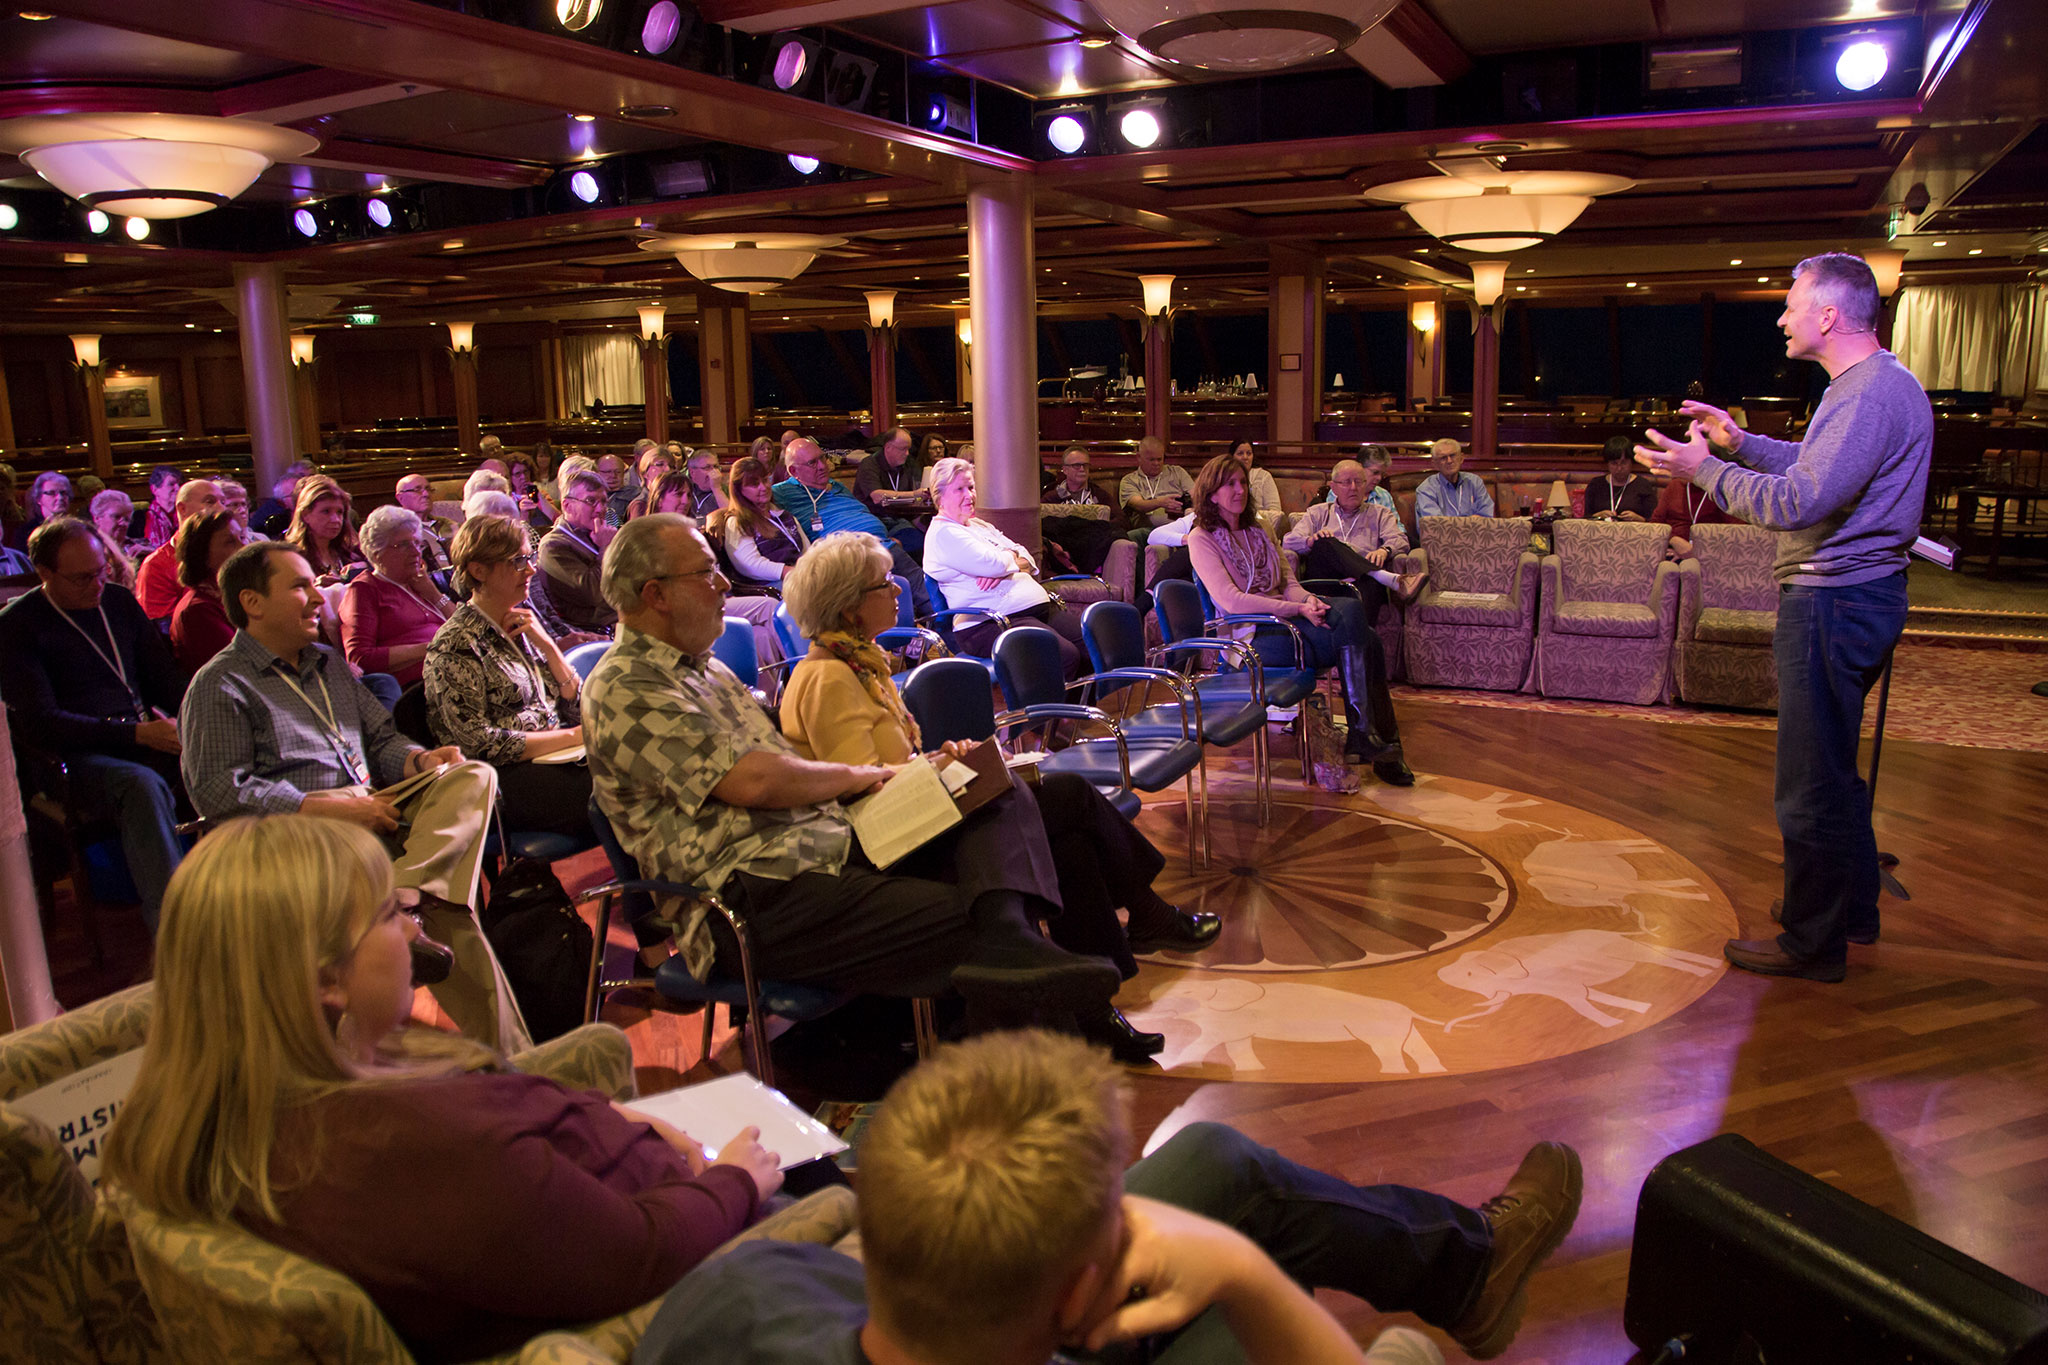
<point x="1447" y="493"/>
<point x="822" y="505"/>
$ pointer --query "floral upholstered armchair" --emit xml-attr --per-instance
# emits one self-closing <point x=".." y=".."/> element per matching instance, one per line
<point x="1727" y="614"/>
<point x="1610" y="607"/>
<point x="1473" y="623"/>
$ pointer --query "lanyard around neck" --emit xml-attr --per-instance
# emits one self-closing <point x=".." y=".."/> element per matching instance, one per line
<point x="110" y="656"/>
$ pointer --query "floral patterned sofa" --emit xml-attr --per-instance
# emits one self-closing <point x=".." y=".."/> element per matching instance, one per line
<point x="1473" y="623"/>
<point x="1727" y="613"/>
<point x="1610" y="607"/>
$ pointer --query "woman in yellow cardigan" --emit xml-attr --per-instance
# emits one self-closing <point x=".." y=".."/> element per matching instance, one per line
<point x="841" y="706"/>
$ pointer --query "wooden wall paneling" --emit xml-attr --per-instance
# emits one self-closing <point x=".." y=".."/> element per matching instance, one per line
<point x="375" y="384"/>
<point x="506" y="387"/>
<point x="6" y="413"/>
<point x="189" y="404"/>
<point x="222" y="406"/>
<point x="67" y="402"/>
<point x="28" y="395"/>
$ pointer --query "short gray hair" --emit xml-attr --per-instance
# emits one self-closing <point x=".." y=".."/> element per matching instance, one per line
<point x="585" y="481"/>
<point x="1845" y="282"/>
<point x="485" y="480"/>
<point x="947" y="472"/>
<point x="388" y="523"/>
<point x="489" y="503"/>
<point x="636" y="557"/>
<point x="570" y="467"/>
<point x="1375" y="455"/>
<point x="1448" y="445"/>
<point x="830" y="580"/>
<point x="108" y="501"/>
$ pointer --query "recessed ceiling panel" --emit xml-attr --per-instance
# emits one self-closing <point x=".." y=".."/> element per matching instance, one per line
<point x="1517" y="25"/>
<point x="967" y="26"/>
<point x="69" y="50"/>
<point x="1066" y="69"/>
<point x="480" y="125"/>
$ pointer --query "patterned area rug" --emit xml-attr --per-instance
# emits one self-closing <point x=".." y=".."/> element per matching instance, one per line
<point x="1941" y="694"/>
<point x="1451" y="927"/>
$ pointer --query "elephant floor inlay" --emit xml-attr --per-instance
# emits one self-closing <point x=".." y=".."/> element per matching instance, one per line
<point x="1451" y="927"/>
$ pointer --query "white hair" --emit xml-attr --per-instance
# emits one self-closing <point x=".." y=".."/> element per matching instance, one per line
<point x="636" y="557"/>
<point x="949" y="471"/>
<point x="830" y="579"/>
<point x="489" y="503"/>
<point x="485" y="479"/>
<point x="386" y="524"/>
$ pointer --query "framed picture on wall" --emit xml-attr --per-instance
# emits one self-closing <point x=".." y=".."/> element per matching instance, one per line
<point x="134" y="400"/>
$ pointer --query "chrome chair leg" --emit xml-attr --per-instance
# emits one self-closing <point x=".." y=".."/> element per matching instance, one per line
<point x="925" y="1026"/>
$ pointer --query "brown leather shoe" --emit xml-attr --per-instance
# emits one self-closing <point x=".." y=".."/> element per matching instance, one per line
<point x="1863" y="939"/>
<point x="1764" y="957"/>
<point x="1529" y="1218"/>
<point x="1408" y="586"/>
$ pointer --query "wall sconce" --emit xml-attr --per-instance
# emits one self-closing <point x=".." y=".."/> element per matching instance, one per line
<point x="1158" y="293"/>
<point x="651" y="319"/>
<point x="85" y="350"/>
<point x="462" y="337"/>
<point x="881" y="308"/>
<point x="1885" y="264"/>
<point x="302" y="349"/>
<point x="1422" y="315"/>
<point x="964" y="329"/>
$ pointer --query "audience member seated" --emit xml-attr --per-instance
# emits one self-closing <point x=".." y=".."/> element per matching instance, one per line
<point x="706" y="495"/>
<point x="1083" y="539"/>
<point x="841" y="706"/>
<point x="87" y="677"/>
<point x="282" y="1090"/>
<point x="273" y="516"/>
<point x="276" y="723"/>
<point x="931" y="449"/>
<point x="1155" y="492"/>
<point x="156" y="578"/>
<point x="702" y="788"/>
<point x="1682" y="507"/>
<point x="1448" y="493"/>
<point x="1624" y="494"/>
<point x="158" y="522"/>
<point x="998" y="1223"/>
<point x="235" y="499"/>
<point x="612" y="470"/>
<point x="415" y="493"/>
<point x="976" y="565"/>
<point x="1378" y="462"/>
<point x="111" y="512"/>
<point x="483" y="480"/>
<point x="490" y="451"/>
<point x="321" y="531"/>
<point x="674" y="492"/>
<point x="761" y="539"/>
<point x="1353" y="539"/>
<point x="1236" y="560"/>
<point x="768" y="451"/>
<point x="891" y="483"/>
<point x="651" y="465"/>
<point x="389" y="615"/>
<point x="200" y="627"/>
<point x="49" y="497"/>
<point x="497" y="685"/>
<point x="821" y="506"/>
<point x="1265" y="493"/>
<point x="534" y="508"/>
<point x="17" y="569"/>
<point x="571" y="555"/>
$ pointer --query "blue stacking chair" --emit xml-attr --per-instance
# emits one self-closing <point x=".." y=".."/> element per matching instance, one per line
<point x="749" y="1001"/>
<point x="734" y="648"/>
<point x="1227" y="706"/>
<point x="584" y="657"/>
<point x="898" y="638"/>
<point x="1148" y="756"/>
<point x="1188" y="616"/>
<point x="946" y="620"/>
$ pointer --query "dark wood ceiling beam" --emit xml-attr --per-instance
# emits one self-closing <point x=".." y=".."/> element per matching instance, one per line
<point x="420" y="163"/>
<point x="312" y="93"/>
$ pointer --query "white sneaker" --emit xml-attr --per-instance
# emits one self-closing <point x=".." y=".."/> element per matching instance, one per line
<point x="1282" y="715"/>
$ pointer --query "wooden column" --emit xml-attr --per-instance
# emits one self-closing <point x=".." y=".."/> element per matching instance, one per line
<point x="1485" y="384"/>
<point x="654" y="383"/>
<point x="307" y="392"/>
<point x="882" y="377"/>
<point x="188" y="385"/>
<point x="1158" y="375"/>
<point x="1294" y="347"/>
<point x="98" y="443"/>
<point x="725" y="364"/>
<point x="6" y="414"/>
<point x="468" y="431"/>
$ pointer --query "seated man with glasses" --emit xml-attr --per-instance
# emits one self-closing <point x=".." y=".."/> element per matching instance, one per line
<point x="276" y="722"/>
<point x="416" y="495"/>
<point x="89" y="678"/>
<point x="570" y="556"/>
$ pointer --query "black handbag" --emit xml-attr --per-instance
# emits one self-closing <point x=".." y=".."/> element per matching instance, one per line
<point x="542" y="944"/>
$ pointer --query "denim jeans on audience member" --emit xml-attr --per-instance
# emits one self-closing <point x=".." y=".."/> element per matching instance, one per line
<point x="384" y="688"/>
<point x="1831" y="645"/>
<point x="138" y="799"/>
<point x="1402" y="1250"/>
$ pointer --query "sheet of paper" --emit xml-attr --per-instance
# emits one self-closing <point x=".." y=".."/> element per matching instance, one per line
<point x="1467" y="599"/>
<point x="398" y="791"/>
<point x="571" y="755"/>
<point x="714" y="1113"/>
<point x="80" y="1107"/>
<point x="956" y="775"/>
<point x="912" y="809"/>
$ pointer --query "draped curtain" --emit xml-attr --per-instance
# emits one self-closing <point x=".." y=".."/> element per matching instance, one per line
<point x="602" y="368"/>
<point x="1983" y="337"/>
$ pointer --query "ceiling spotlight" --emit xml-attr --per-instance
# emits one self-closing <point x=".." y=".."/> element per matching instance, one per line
<point x="1067" y="130"/>
<point x="660" y="27"/>
<point x="1976" y="251"/>
<point x="792" y="61"/>
<point x="10" y="218"/>
<point x="306" y="224"/>
<point x="584" y="186"/>
<point x="1066" y="133"/>
<point x="136" y="228"/>
<point x="577" y="15"/>
<point x="1861" y="65"/>
<point x="803" y="165"/>
<point x="1763" y="279"/>
<point x="1941" y="243"/>
<point x="36" y="16"/>
<point x="584" y="118"/>
<point x="1736" y="261"/>
<point x="96" y="222"/>
<point x="378" y="212"/>
<point x="1140" y="126"/>
<point x="1094" y="40"/>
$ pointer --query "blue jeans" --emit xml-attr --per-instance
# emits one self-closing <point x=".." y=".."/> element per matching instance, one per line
<point x="139" y="800"/>
<point x="1831" y="646"/>
<point x="1402" y="1250"/>
<point x="384" y="688"/>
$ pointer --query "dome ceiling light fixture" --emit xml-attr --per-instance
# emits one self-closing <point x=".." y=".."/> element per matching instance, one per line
<point x="1479" y="207"/>
<point x="1243" y="35"/>
<point x="151" y="165"/>
<point x="751" y="263"/>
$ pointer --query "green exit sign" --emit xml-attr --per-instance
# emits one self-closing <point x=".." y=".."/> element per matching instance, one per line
<point x="363" y="319"/>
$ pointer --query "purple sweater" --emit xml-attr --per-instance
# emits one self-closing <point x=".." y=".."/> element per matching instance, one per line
<point x="1846" y="500"/>
<point x="480" y="1210"/>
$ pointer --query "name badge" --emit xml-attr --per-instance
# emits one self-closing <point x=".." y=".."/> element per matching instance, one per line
<point x="352" y="755"/>
<point x="817" y="525"/>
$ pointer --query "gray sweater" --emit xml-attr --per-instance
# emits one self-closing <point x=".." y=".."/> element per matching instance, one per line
<point x="1847" y="500"/>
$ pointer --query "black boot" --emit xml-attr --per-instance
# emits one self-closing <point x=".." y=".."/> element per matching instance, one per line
<point x="1364" y="744"/>
<point x="1125" y="1043"/>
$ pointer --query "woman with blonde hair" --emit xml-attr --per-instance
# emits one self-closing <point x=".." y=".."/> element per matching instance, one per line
<point x="280" y="1089"/>
<point x="760" y="538"/>
<point x="321" y="529"/>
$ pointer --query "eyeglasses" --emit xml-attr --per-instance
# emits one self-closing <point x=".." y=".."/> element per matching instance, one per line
<point x="886" y="585"/>
<point x="85" y="579"/>
<point x="525" y="561"/>
<point x="706" y="574"/>
<point x="586" y="498"/>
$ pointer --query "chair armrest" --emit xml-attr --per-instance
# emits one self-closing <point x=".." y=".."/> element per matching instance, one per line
<point x="1257" y="619"/>
<point x="1524" y="591"/>
<point x="1332" y="587"/>
<point x="824" y="1216"/>
<point x="934" y="646"/>
<point x="1552" y="591"/>
<point x="952" y="616"/>
<point x="1664" y="590"/>
<point x="1131" y="675"/>
<point x="1073" y="711"/>
<point x="1691" y="592"/>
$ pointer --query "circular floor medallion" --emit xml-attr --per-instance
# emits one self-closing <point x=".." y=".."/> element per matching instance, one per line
<point x="1447" y="928"/>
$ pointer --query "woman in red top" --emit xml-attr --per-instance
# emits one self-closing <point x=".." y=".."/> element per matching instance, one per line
<point x="476" y="1209"/>
<point x="200" y="627"/>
